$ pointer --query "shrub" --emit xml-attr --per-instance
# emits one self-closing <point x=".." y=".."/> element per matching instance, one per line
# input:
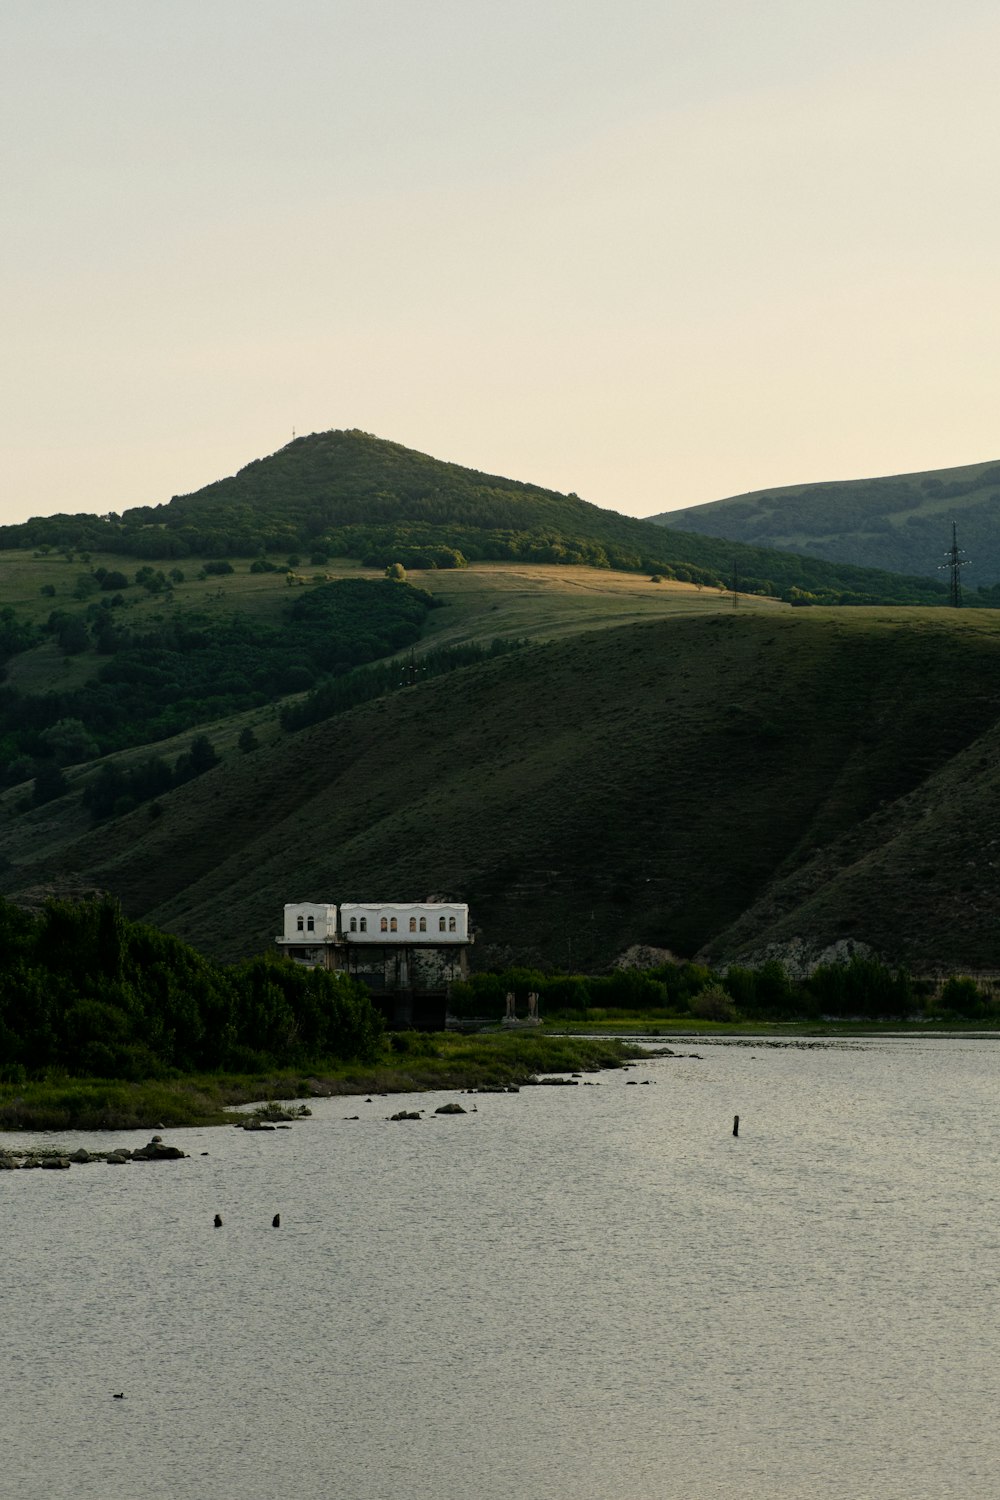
<point x="961" y="996"/>
<point x="713" y="1004"/>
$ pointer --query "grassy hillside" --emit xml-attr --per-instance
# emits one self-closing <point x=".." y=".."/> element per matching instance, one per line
<point x="648" y="784"/>
<point x="902" y="523"/>
<point x="141" y="662"/>
<point x="338" y="494"/>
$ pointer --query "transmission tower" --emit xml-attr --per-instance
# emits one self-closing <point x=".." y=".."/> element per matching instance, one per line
<point x="411" y="671"/>
<point x="954" y="562"/>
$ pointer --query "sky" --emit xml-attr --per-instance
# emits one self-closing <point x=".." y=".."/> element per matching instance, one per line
<point x="655" y="252"/>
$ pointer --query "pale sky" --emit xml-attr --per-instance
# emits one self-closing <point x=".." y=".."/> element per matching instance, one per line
<point x="652" y="251"/>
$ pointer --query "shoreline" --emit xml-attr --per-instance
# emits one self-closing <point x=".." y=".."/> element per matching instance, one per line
<point x="414" y="1062"/>
<point x="424" y="1062"/>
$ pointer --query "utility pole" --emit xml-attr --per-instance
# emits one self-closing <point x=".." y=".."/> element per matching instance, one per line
<point x="954" y="563"/>
<point x="411" y="671"/>
<point x="736" y="586"/>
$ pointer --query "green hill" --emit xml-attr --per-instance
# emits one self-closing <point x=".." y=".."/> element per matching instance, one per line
<point x="902" y="522"/>
<point x="348" y="494"/>
<point x="711" y="782"/>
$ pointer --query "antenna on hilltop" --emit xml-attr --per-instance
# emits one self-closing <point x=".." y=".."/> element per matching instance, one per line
<point x="954" y="563"/>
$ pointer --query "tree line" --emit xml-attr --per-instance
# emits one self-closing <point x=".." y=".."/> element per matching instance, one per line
<point x="88" y="992"/>
<point x="862" y="988"/>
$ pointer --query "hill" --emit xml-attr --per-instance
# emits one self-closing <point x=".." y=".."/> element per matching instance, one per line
<point x="91" y="670"/>
<point x="708" y="783"/>
<point x="902" y="522"/>
<point x="349" y="494"/>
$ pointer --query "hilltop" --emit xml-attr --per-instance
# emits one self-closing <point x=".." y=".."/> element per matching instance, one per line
<point x="708" y="783"/>
<point x="901" y="522"/>
<point x="349" y="494"/>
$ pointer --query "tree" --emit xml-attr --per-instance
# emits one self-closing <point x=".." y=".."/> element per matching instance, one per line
<point x="86" y="584"/>
<point x="396" y="572"/>
<point x="247" y="741"/>
<point x="69" y="741"/>
<point x="73" y="636"/>
<point x="200" y="758"/>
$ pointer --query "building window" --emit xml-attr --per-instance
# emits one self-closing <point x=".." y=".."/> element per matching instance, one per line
<point x="451" y="924"/>
<point x="354" y="924"/>
<point x="364" y="924"/>
<point x="423" y="924"/>
<point x="385" y="925"/>
<point x="413" y="924"/>
<point x="311" y="924"/>
<point x="440" y="924"/>
<point x="392" y="924"/>
<point x="300" y="924"/>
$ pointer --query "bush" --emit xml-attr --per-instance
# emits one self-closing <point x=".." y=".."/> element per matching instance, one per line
<point x="713" y="1004"/>
<point x="961" y="996"/>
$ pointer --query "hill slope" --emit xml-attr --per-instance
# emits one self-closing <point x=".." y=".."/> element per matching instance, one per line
<point x="652" y="784"/>
<point x="348" y="494"/>
<point x="902" y="522"/>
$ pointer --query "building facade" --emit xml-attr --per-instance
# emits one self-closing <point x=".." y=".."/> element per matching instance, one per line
<point x="407" y="953"/>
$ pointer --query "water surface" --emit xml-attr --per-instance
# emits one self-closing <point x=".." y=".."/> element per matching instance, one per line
<point x="567" y="1294"/>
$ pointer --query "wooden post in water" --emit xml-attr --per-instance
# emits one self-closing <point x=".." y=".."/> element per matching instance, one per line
<point x="736" y="1124"/>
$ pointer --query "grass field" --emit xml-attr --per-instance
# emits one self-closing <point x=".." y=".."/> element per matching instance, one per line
<point x="481" y="602"/>
<point x="545" y="602"/>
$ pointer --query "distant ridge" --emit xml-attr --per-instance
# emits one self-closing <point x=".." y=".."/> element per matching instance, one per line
<point x="901" y="522"/>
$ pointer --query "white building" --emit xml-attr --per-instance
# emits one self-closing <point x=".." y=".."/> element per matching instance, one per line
<point x="309" y="921"/>
<point x="432" y="922"/>
<point x="407" y="953"/>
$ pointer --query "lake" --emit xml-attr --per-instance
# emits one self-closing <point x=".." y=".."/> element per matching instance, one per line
<point x="568" y="1294"/>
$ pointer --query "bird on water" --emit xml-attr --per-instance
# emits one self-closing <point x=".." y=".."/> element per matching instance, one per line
<point x="119" y="1395"/>
<point x="218" y="1221"/>
<point x="276" y="1222"/>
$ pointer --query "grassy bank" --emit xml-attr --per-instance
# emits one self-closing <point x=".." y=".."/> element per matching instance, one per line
<point x="412" y="1063"/>
<point x="659" y="1024"/>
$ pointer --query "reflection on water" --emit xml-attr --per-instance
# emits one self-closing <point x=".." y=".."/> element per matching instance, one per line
<point x="572" y="1293"/>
